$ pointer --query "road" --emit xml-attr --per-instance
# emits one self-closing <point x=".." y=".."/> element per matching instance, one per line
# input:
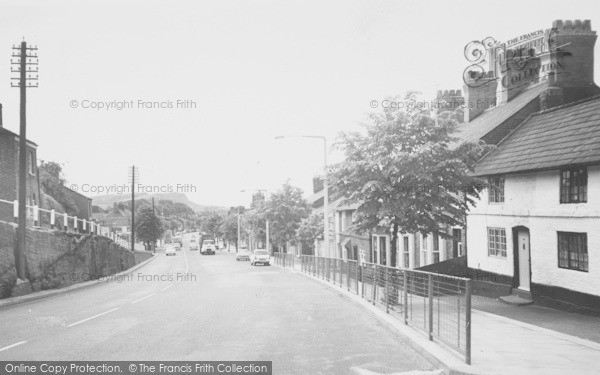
<point x="195" y="307"/>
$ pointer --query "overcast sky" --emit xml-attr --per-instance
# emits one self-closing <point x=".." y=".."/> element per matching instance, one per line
<point x="255" y="69"/>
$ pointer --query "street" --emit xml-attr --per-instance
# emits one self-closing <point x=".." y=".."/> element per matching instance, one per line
<point x="194" y="307"/>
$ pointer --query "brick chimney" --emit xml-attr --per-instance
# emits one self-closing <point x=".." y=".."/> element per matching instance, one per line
<point x="317" y="184"/>
<point x="480" y="94"/>
<point x="552" y="97"/>
<point x="575" y="41"/>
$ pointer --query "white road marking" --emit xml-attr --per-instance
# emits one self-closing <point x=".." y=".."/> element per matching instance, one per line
<point x="166" y="287"/>
<point x="362" y="371"/>
<point x="187" y="265"/>
<point x="12" y="346"/>
<point x="93" y="317"/>
<point x="143" y="298"/>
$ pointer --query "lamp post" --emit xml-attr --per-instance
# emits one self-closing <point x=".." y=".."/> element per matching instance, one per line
<point x="325" y="187"/>
<point x="266" y="220"/>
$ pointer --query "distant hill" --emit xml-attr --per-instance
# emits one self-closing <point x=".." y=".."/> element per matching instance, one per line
<point x="107" y="201"/>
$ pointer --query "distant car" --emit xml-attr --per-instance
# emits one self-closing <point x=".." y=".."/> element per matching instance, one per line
<point x="260" y="256"/>
<point x="170" y="251"/>
<point x="177" y="246"/>
<point x="208" y="247"/>
<point x="193" y="245"/>
<point x="243" y="255"/>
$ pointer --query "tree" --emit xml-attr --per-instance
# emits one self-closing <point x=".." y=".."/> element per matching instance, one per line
<point x="254" y="224"/>
<point x="210" y="223"/>
<point x="285" y="210"/>
<point x="52" y="182"/>
<point x="229" y="228"/>
<point x="148" y="226"/>
<point x="407" y="172"/>
<point x="310" y="229"/>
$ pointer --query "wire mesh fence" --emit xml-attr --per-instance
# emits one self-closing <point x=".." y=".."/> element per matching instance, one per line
<point x="437" y="305"/>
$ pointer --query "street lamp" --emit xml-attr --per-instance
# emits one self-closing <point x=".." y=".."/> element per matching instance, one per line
<point x="325" y="187"/>
<point x="267" y="221"/>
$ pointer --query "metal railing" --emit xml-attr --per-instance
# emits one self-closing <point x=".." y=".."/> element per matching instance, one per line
<point x="42" y="218"/>
<point x="437" y="305"/>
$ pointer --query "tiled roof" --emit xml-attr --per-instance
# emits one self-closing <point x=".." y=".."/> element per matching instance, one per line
<point x="561" y="136"/>
<point x="3" y="130"/>
<point x="492" y="117"/>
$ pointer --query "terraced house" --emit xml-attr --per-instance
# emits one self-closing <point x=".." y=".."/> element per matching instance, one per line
<point x="537" y="226"/>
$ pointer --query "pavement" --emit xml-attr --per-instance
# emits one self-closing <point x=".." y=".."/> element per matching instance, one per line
<point x="526" y="340"/>
<point x="193" y="307"/>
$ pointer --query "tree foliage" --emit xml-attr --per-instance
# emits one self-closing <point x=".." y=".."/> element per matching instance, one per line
<point x="285" y="209"/>
<point x="229" y="228"/>
<point x="148" y="226"/>
<point x="310" y="229"/>
<point x="407" y="171"/>
<point x="52" y="182"/>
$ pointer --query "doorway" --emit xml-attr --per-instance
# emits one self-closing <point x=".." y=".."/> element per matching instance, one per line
<point x="522" y="254"/>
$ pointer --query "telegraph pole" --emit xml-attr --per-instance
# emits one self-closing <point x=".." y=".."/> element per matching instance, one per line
<point x="134" y="174"/>
<point x="26" y="62"/>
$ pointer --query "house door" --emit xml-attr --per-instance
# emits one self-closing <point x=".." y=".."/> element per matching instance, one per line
<point x="524" y="263"/>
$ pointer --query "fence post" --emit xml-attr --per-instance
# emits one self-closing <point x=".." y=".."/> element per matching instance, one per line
<point x="357" y="266"/>
<point x="405" y="282"/>
<point x="468" y="321"/>
<point x="387" y="291"/>
<point x="65" y="221"/>
<point x="362" y="282"/>
<point x="430" y="295"/>
<point x="16" y="211"/>
<point x="52" y="218"/>
<point x="374" y="283"/>
<point x="36" y="215"/>
<point x="348" y="275"/>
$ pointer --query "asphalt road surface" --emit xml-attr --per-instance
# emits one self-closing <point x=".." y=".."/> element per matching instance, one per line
<point x="207" y="307"/>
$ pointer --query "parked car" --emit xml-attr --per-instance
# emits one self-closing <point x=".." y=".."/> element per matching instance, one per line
<point x="177" y="246"/>
<point x="260" y="256"/>
<point x="243" y="255"/>
<point x="170" y="251"/>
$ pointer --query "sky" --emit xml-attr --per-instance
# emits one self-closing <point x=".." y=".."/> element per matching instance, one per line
<point x="249" y="71"/>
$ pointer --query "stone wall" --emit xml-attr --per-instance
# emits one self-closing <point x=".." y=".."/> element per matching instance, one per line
<point x="56" y="259"/>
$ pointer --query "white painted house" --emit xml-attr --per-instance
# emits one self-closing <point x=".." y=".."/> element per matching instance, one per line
<point x="538" y="222"/>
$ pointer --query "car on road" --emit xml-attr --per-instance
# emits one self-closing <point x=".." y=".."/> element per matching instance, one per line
<point x="260" y="256"/>
<point x="193" y="243"/>
<point x="243" y="255"/>
<point x="177" y="246"/>
<point x="170" y="251"/>
<point x="208" y="247"/>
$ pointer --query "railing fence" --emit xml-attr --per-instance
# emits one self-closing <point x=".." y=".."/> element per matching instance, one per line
<point x="42" y="218"/>
<point x="437" y="305"/>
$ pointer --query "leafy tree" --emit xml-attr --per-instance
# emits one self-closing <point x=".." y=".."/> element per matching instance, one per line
<point x="148" y="226"/>
<point x="407" y="172"/>
<point x="210" y="223"/>
<point x="253" y="222"/>
<point x="52" y="182"/>
<point x="229" y="228"/>
<point x="285" y="210"/>
<point x="310" y="229"/>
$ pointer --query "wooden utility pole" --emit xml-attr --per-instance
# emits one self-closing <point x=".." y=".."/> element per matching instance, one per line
<point x="133" y="176"/>
<point x="26" y="62"/>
